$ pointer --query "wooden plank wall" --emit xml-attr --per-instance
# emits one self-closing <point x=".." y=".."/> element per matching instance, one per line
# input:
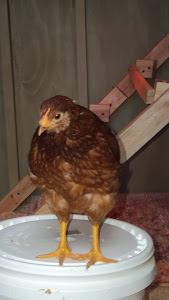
<point x="44" y="61"/>
<point x="8" y="151"/>
<point x="81" y="52"/>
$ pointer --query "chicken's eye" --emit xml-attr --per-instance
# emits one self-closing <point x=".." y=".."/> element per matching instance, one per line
<point x="57" y="117"/>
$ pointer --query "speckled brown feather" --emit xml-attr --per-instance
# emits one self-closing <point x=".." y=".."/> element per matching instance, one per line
<point x="77" y="168"/>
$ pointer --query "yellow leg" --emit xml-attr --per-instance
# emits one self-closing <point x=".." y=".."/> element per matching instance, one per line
<point x="95" y="254"/>
<point x="63" y="250"/>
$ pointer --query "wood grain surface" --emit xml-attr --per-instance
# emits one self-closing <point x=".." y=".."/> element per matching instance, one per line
<point x="17" y="195"/>
<point x="8" y="127"/>
<point x="144" y="127"/>
<point x="44" y="61"/>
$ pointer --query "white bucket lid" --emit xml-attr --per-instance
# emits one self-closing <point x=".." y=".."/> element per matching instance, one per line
<point x="23" y="276"/>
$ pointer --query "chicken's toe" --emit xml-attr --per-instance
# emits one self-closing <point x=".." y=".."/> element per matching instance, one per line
<point x="93" y="257"/>
<point x="61" y="253"/>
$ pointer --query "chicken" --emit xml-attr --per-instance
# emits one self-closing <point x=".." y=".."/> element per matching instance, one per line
<point x="74" y="160"/>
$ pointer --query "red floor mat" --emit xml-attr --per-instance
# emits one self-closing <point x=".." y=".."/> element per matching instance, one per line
<point x="149" y="211"/>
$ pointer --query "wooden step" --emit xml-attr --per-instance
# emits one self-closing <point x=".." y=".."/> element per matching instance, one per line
<point x="147" y="67"/>
<point x="160" y="87"/>
<point x="143" y="88"/>
<point x="101" y="110"/>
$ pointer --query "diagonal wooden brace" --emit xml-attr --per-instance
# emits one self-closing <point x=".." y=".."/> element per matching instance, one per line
<point x="144" y="127"/>
<point x="17" y="195"/>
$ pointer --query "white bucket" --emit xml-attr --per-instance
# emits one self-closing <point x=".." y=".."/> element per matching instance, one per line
<point x="24" y="277"/>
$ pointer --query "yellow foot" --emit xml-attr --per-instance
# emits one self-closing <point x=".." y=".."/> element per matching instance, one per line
<point x="95" y="254"/>
<point x="61" y="253"/>
<point x="93" y="257"/>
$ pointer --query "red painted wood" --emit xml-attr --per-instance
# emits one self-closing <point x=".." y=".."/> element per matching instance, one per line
<point x="141" y="85"/>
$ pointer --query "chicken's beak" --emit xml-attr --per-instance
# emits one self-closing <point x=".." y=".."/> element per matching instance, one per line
<point x="41" y="130"/>
<point x="44" y="123"/>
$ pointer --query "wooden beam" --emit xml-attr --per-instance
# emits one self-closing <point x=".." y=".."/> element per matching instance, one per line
<point x="8" y="96"/>
<point x="125" y="86"/>
<point x="114" y="98"/>
<point x="81" y="52"/>
<point x="158" y="291"/>
<point x="17" y="195"/>
<point x="142" y="86"/>
<point x="102" y="111"/>
<point x="147" y="67"/>
<point x="144" y="127"/>
<point x="159" y="53"/>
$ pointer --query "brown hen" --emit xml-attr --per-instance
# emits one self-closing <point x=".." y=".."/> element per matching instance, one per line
<point x="74" y="160"/>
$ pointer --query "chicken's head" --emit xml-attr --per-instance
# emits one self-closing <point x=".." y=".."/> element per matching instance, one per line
<point x="55" y="114"/>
